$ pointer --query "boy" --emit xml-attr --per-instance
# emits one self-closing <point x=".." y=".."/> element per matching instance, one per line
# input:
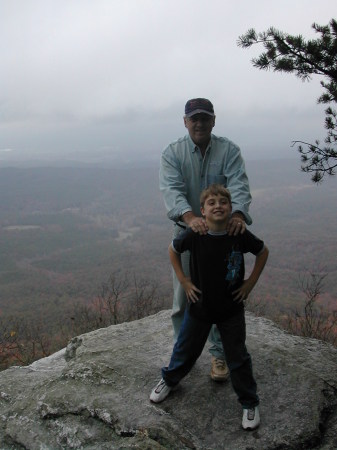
<point x="215" y="293"/>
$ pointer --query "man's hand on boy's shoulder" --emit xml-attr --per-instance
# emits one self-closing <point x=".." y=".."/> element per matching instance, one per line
<point x="197" y="224"/>
<point x="236" y="224"/>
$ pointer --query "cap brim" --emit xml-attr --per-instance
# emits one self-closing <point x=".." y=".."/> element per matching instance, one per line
<point x="199" y="111"/>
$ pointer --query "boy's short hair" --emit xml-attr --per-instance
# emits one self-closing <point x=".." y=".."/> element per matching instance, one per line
<point x="214" y="189"/>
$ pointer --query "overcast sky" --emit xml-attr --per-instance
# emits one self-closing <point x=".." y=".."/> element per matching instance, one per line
<point x="111" y="77"/>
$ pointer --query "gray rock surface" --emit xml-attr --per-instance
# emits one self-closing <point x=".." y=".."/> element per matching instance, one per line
<point x="95" y="395"/>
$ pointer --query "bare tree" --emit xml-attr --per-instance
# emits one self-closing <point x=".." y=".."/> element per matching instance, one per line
<point x="313" y="320"/>
<point x="22" y="341"/>
<point x="119" y="300"/>
<point x="84" y="318"/>
<point x="109" y="300"/>
<point x="145" y="296"/>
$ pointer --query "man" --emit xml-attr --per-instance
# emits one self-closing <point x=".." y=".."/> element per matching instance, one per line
<point x="189" y="165"/>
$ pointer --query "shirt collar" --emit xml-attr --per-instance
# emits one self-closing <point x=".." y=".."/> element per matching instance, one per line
<point x="217" y="233"/>
<point x="195" y="147"/>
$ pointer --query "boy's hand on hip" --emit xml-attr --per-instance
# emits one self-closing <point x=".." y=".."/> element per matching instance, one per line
<point x="191" y="291"/>
<point x="241" y="294"/>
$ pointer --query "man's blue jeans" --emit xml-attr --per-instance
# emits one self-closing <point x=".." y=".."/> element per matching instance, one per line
<point x="191" y="341"/>
<point x="180" y="303"/>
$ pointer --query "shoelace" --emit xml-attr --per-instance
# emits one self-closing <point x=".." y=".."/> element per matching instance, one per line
<point x="251" y="414"/>
<point x="220" y="363"/>
<point x="160" y="386"/>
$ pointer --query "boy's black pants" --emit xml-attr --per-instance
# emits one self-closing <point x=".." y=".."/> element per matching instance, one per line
<point x="190" y="343"/>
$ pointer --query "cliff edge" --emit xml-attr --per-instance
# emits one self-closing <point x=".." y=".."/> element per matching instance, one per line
<point x="95" y="395"/>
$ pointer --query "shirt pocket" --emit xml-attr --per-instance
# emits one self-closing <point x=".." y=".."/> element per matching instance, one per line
<point x="216" y="179"/>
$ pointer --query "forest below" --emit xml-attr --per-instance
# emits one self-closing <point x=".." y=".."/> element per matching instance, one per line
<point x="65" y="230"/>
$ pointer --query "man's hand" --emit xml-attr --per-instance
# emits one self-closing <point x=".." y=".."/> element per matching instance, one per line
<point x="197" y="224"/>
<point x="191" y="291"/>
<point x="236" y="225"/>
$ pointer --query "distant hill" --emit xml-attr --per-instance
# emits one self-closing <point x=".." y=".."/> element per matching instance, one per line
<point x="64" y="230"/>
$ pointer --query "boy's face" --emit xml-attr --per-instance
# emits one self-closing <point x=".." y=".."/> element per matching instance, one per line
<point x="216" y="209"/>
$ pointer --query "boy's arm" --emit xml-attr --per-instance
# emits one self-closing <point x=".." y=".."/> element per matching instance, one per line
<point x="189" y="288"/>
<point x="248" y="285"/>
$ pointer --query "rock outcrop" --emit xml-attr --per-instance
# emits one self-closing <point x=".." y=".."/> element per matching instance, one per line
<point x="95" y="395"/>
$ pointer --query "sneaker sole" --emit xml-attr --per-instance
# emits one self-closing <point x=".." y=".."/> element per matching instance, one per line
<point x="158" y="401"/>
<point x="251" y="428"/>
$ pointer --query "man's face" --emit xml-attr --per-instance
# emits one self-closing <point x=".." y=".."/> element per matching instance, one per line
<point x="200" y="127"/>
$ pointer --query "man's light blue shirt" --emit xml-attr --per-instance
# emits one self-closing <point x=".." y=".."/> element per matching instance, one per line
<point x="184" y="173"/>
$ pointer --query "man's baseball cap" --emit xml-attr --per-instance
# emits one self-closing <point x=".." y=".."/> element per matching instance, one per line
<point x="198" y="105"/>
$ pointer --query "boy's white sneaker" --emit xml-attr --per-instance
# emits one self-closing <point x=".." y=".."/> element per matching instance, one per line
<point x="160" y="392"/>
<point x="251" y="418"/>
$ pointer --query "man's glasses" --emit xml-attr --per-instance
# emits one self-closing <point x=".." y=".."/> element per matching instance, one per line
<point x="200" y="118"/>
